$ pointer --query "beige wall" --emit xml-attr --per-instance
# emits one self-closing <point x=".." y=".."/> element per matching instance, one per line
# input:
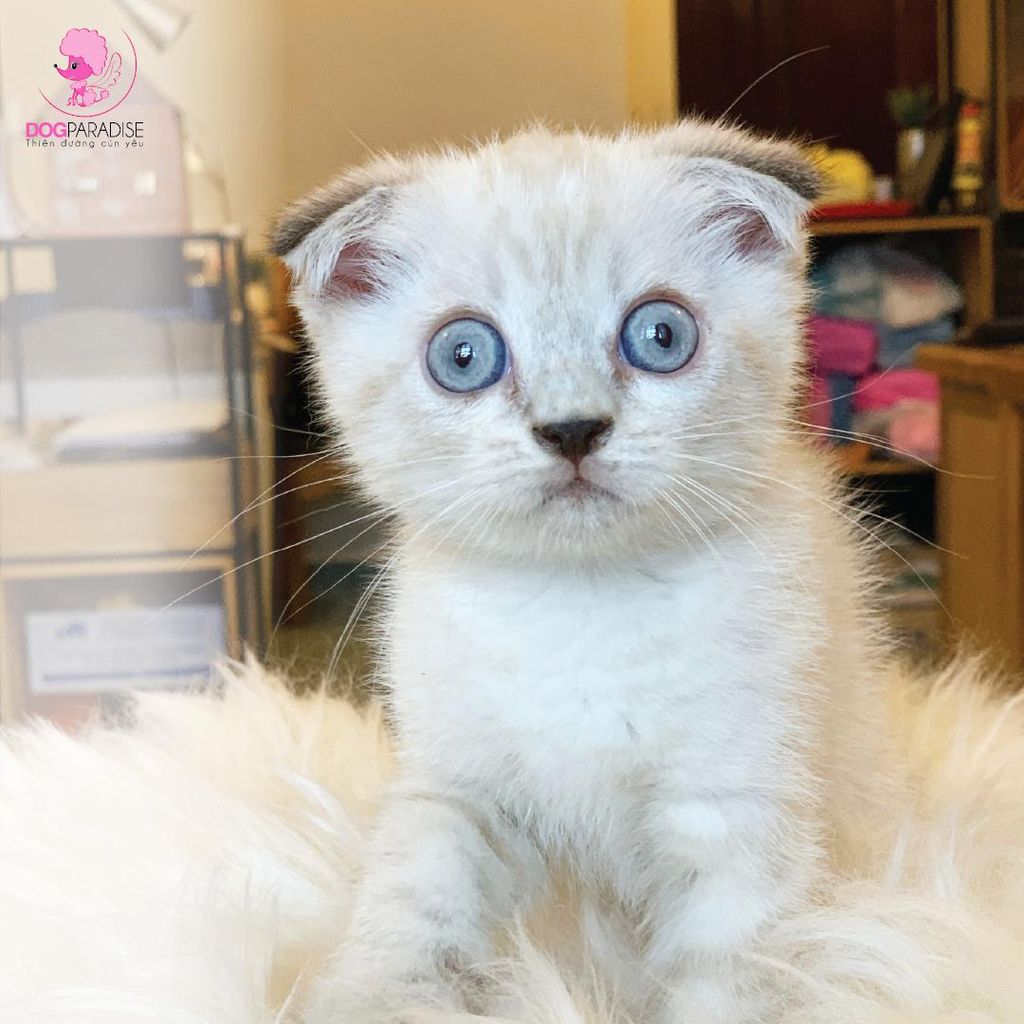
<point x="651" y="60"/>
<point x="281" y="94"/>
<point x="400" y="73"/>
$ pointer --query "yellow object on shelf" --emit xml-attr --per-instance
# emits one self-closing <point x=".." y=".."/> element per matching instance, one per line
<point x="848" y="176"/>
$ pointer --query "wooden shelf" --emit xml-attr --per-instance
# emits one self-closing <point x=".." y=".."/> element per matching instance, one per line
<point x="116" y="508"/>
<point x="998" y="370"/>
<point x="855" y="460"/>
<point x="967" y="238"/>
<point x="899" y="225"/>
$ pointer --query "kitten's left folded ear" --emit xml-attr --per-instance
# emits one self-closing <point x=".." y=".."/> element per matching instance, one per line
<point x="329" y="240"/>
<point x="762" y="188"/>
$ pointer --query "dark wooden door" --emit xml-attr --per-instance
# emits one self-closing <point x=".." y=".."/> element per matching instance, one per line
<point x="837" y="95"/>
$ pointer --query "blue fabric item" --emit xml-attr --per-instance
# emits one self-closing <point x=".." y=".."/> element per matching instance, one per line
<point x="861" y="303"/>
<point x="840" y="392"/>
<point x="896" y="345"/>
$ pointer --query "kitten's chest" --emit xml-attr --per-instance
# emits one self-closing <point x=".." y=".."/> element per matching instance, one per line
<point x="554" y="678"/>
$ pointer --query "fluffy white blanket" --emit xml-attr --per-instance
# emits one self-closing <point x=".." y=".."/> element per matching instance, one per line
<point x="196" y="868"/>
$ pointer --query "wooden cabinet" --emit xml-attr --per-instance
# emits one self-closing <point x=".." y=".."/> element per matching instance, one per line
<point x="981" y="493"/>
<point x="1009" y="103"/>
<point x="833" y="63"/>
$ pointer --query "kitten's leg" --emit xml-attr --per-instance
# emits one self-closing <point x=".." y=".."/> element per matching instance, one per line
<point x="423" y="916"/>
<point x="723" y="867"/>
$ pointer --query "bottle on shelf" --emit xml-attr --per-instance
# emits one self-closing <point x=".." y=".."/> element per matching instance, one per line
<point x="968" y="179"/>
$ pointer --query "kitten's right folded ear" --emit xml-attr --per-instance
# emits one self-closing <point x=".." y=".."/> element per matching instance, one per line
<point x="761" y="187"/>
<point x="328" y="240"/>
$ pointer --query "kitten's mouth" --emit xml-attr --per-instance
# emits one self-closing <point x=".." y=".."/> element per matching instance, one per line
<point x="579" y="488"/>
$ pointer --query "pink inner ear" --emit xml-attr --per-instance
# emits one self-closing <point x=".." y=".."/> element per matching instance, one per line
<point x="353" y="273"/>
<point x="750" y="231"/>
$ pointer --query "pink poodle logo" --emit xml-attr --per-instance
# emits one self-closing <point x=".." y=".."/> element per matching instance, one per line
<point x="99" y="74"/>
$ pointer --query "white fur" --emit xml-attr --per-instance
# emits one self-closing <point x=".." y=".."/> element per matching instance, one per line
<point x="198" y="867"/>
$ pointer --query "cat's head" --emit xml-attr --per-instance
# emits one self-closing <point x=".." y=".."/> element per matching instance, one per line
<point x="559" y="343"/>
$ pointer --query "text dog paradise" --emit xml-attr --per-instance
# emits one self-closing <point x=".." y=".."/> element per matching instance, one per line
<point x="86" y="134"/>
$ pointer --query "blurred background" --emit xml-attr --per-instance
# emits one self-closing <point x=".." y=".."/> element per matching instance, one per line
<point x="166" y="493"/>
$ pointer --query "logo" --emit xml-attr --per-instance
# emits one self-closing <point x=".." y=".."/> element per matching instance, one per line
<point x="99" y="75"/>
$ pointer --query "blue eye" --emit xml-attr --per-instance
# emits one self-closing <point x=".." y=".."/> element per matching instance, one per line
<point x="659" y="337"/>
<point x="466" y="355"/>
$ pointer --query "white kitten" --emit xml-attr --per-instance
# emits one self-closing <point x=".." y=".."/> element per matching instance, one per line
<point x="624" y="636"/>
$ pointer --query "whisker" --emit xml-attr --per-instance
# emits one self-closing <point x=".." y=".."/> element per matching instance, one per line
<point x="454" y="526"/>
<point x="671" y="519"/>
<point x="299" y="543"/>
<point x="353" y="619"/>
<point x="771" y="71"/>
<point x="364" y="599"/>
<point x="276" y="426"/>
<point x="882" y="444"/>
<point x="816" y="431"/>
<point x="687" y="511"/>
<point x="257" y="502"/>
<point x="337" y="583"/>
<point x="715" y="496"/>
<point x="836" y="509"/>
<point x="721" y="504"/>
<point x="384" y="514"/>
<point x="886" y="520"/>
<point x="267" y="455"/>
<point x="341" y="504"/>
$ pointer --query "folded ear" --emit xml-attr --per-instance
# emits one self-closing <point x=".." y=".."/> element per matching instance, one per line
<point x="782" y="160"/>
<point x="329" y="239"/>
<point x="762" y="187"/>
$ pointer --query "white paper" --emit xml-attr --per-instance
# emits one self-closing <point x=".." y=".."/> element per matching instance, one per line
<point x="85" y="652"/>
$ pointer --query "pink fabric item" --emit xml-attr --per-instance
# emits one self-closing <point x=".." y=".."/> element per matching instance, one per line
<point x="915" y="429"/>
<point x="882" y="390"/>
<point x="841" y="346"/>
<point x="819" y="408"/>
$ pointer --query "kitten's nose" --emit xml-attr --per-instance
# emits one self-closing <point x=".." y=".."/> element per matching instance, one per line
<point x="572" y="438"/>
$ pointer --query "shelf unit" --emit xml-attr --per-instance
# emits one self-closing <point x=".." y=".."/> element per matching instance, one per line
<point x="905" y="489"/>
<point x="115" y="529"/>
<point x="965" y="243"/>
<point x="966" y="239"/>
<point x="825" y="227"/>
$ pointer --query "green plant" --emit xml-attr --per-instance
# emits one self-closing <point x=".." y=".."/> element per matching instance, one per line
<point x="911" y="108"/>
